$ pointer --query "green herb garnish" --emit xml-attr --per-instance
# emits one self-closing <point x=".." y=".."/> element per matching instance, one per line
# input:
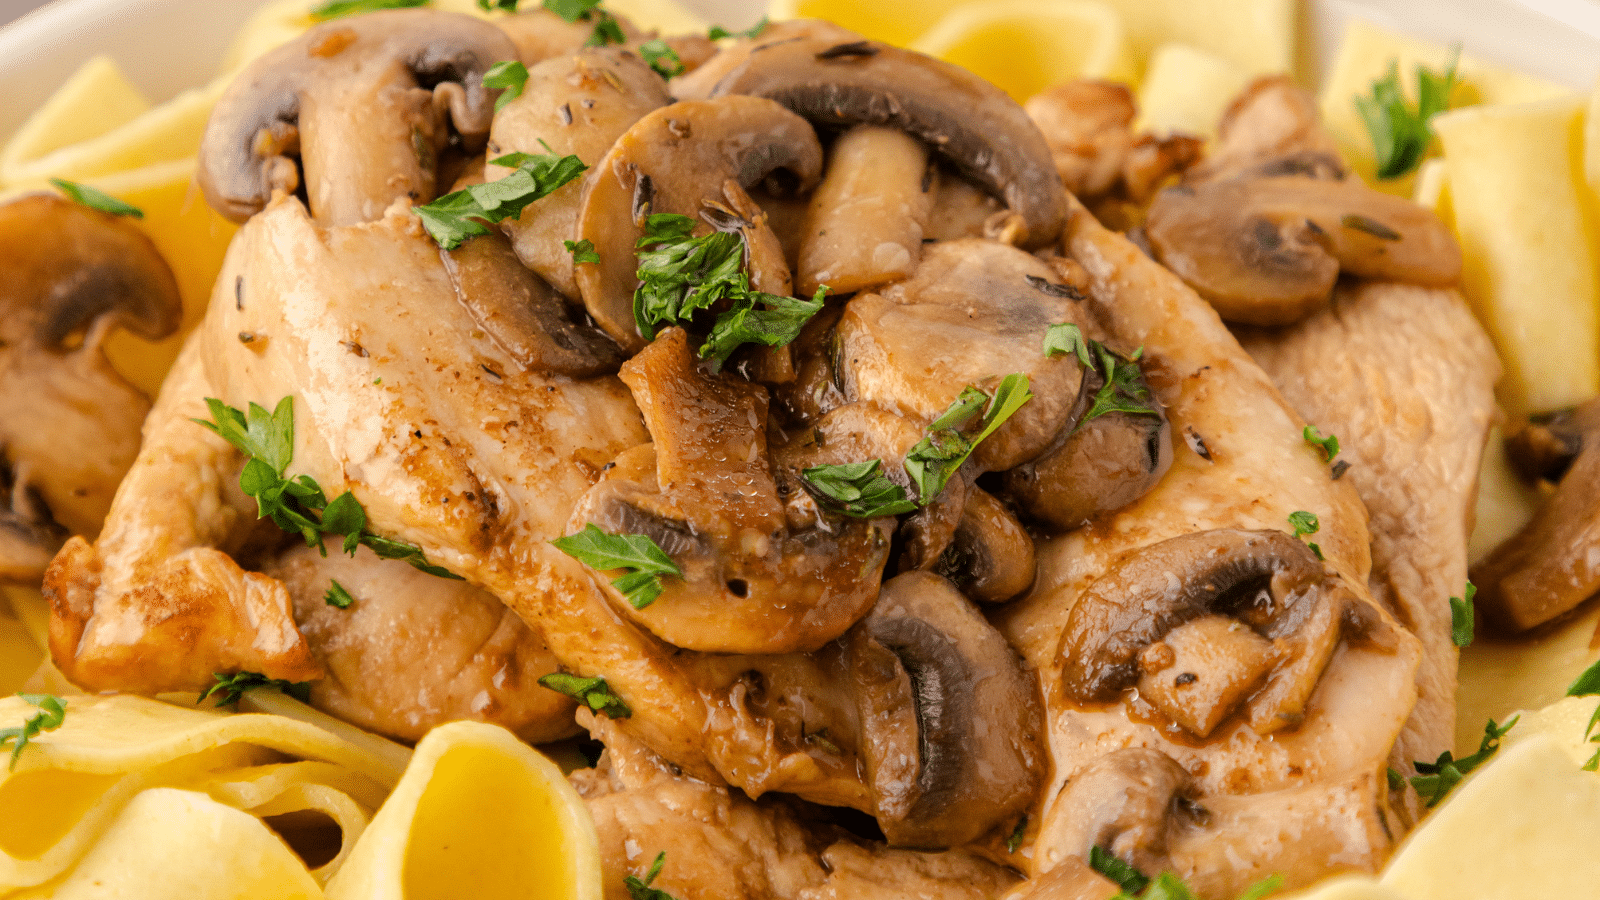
<point x="1122" y="389"/>
<point x="1400" y="135"/>
<point x="1585" y="685"/>
<point x="469" y="212"/>
<point x="646" y="561"/>
<point x="934" y="460"/>
<point x="232" y="687"/>
<point x="337" y="596"/>
<point x="85" y="195"/>
<point x="1065" y="339"/>
<point x="507" y="5"/>
<point x="510" y="77"/>
<point x="1461" y="616"/>
<point x="717" y="32"/>
<point x="641" y="890"/>
<point x="582" y="251"/>
<point x="1328" y="445"/>
<point x="52" y="712"/>
<point x="1014" y="839"/>
<point x="1131" y="880"/>
<point x="591" y="692"/>
<point x="858" y="489"/>
<point x="297" y="505"/>
<point x="1397" y="781"/>
<point x="1305" y="523"/>
<point x="606" y="28"/>
<point x="662" y="58"/>
<point x="776" y="324"/>
<point x="1168" y="886"/>
<point x="1444" y="773"/>
<point x="336" y="9"/>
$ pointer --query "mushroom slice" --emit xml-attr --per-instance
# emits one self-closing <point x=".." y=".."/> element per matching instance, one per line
<point x="1551" y="565"/>
<point x="574" y="105"/>
<point x="970" y="760"/>
<point x="1266" y="250"/>
<point x="973" y="312"/>
<point x="523" y="314"/>
<point x="1271" y="120"/>
<point x="366" y="103"/>
<point x="838" y="79"/>
<point x="990" y="557"/>
<point x="1267" y="580"/>
<point x="74" y="273"/>
<point x="706" y="495"/>
<point x="1101" y="465"/>
<point x="1122" y="803"/>
<point x="694" y="158"/>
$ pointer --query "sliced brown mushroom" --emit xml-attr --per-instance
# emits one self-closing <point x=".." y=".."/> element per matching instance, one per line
<point x="69" y="424"/>
<point x="1551" y="565"/>
<point x="1267" y="580"/>
<point x="574" y="105"/>
<point x="752" y="581"/>
<point x="1123" y="803"/>
<point x="366" y="104"/>
<point x="973" y="312"/>
<point x="693" y="158"/>
<point x="1266" y="250"/>
<point x="1271" y="120"/>
<point x="990" y="556"/>
<point x="965" y="757"/>
<point x="1100" y="465"/>
<point x="835" y="78"/>
<point x="1070" y="879"/>
<point x="523" y="314"/>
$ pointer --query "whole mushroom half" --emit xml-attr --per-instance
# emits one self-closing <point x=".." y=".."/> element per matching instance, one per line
<point x="367" y="105"/>
<point x="69" y="424"/>
<point x="835" y="78"/>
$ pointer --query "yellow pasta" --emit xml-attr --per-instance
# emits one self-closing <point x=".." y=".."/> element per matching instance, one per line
<point x="1026" y="46"/>
<point x="96" y="99"/>
<point x="1187" y="89"/>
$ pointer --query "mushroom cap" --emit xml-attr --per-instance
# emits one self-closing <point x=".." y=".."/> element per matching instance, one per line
<point x="693" y="158"/>
<point x="1123" y="803"/>
<point x="834" y="78"/>
<point x="972" y="761"/>
<point x="392" y="77"/>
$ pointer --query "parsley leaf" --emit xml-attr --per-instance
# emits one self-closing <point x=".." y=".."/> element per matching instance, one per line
<point x="1400" y="135"/>
<point x="591" y="692"/>
<point x="646" y="561"/>
<point x="856" y="489"/>
<point x="469" y="212"/>
<point x="1461" y="617"/>
<point x="337" y="596"/>
<point x="777" y="325"/>
<point x="717" y="32"/>
<point x="1328" y="445"/>
<point x="507" y="5"/>
<point x="510" y="76"/>
<point x="232" y="687"/>
<point x="1067" y="338"/>
<point x="1168" y="886"/>
<point x="606" y="28"/>
<point x="1585" y="685"/>
<point x="1128" y="878"/>
<point x="1439" y="776"/>
<point x="1397" y="781"/>
<point x="582" y="251"/>
<point x="571" y="10"/>
<point x="84" y="195"/>
<point x="1014" y="839"/>
<point x="662" y="58"/>
<point x="52" y="712"/>
<point x="1123" y="390"/>
<point x="641" y="890"/>
<point x="298" y="505"/>
<point x="335" y="9"/>
<point x="1306" y="523"/>
<point x="935" y="459"/>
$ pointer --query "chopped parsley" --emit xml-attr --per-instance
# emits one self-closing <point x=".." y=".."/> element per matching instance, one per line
<point x="1014" y="839"/>
<point x="232" y="687"/>
<point x="641" y="890"/>
<point x="1067" y="338"/>
<point x="935" y="459"/>
<point x="52" y="712"/>
<point x="857" y="489"/>
<point x="1400" y="134"/>
<point x="507" y="5"/>
<point x="335" y="9"/>
<point x="1131" y="880"/>
<point x="337" y="596"/>
<point x="510" y="77"/>
<point x="1305" y="523"/>
<point x="680" y="275"/>
<point x="591" y="692"/>
<point x="606" y="28"/>
<point x="1444" y="773"/>
<point x="1461" y="616"/>
<point x="298" y="505"/>
<point x="582" y="251"/>
<point x="1397" y="781"/>
<point x="662" y="58"/>
<point x="84" y="195"/>
<point x="1328" y="445"/>
<point x="645" y="561"/>
<point x="1586" y="685"/>
<point x="469" y="212"/>
<point x="717" y="32"/>
<point x="1122" y="386"/>
<point x="1168" y="886"/>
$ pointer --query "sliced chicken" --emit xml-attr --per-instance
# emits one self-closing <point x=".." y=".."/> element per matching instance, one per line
<point x="1404" y="377"/>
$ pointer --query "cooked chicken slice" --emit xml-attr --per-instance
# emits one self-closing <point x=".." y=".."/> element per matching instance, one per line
<point x="1404" y="377"/>
<point x="413" y="651"/>
<point x="719" y="844"/>
<point x="1244" y="466"/>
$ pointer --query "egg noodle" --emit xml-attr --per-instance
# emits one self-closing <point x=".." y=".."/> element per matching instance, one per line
<point x="279" y="800"/>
